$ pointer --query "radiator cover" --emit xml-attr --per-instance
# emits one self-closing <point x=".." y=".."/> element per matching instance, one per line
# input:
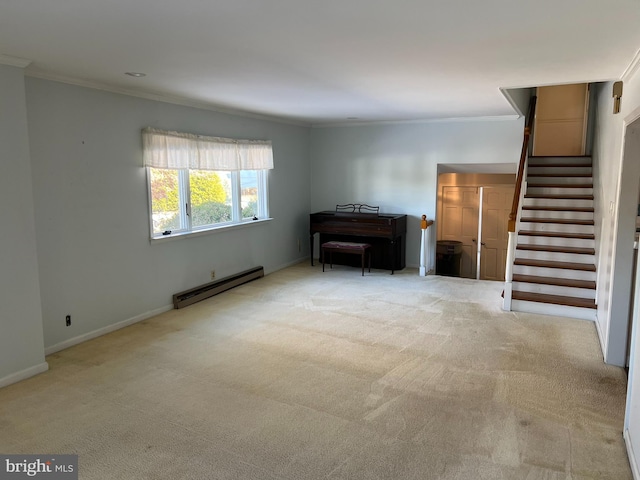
<point x="193" y="295"/>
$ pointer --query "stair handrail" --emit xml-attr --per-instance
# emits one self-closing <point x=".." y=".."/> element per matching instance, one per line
<point x="507" y="293"/>
<point x="511" y="227"/>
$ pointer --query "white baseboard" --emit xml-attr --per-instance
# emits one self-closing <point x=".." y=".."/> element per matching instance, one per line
<point x="601" y="339"/>
<point x="138" y="318"/>
<point x="285" y="265"/>
<point x="631" y="456"/>
<point x="103" y="331"/>
<point x="24" y="374"/>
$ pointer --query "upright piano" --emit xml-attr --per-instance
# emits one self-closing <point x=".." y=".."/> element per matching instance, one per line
<point x="385" y="232"/>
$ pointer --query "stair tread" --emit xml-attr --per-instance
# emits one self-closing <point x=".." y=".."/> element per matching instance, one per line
<point x="554" y="299"/>
<point x="558" y="209"/>
<point x="559" y="196"/>
<point x="561" y="165"/>
<point x="563" y="221"/>
<point x="530" y="262"/>
<point x="561" y="175"/>
<point x="581" y="236"/>
<point x="560" y="185"/>
<point x="557" y="249"/>
<point x="558" y="282"/>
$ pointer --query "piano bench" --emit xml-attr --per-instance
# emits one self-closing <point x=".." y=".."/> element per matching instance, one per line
<point x="346" y="247"/>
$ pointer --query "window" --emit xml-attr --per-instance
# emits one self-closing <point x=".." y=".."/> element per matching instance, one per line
<point x="199" y="183"/>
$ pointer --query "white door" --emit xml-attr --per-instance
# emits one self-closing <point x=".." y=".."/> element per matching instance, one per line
<point x="632" y="414"/>
<point x="460" y="206"/>
<point x="496" y="206"/>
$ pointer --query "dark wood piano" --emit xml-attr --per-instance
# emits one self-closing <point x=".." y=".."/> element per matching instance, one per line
<point x="385" y="232"/>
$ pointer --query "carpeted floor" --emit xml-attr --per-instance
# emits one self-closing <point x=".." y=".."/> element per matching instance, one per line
<point x="311" y="375"/>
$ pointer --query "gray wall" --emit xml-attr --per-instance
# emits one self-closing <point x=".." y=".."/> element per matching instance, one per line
<point x="96" y="261"/>
<point x="396" y="166"/>
<point x="21" y="344"/>
<point x="76" y="170"/>
<point x="614" y="208"/>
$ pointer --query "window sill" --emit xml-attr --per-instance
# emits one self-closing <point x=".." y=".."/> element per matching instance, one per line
<point x="208" y="231"/>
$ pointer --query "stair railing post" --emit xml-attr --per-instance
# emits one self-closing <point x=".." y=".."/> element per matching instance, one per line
<point x="425" y="247"/>
<point x="508" y="276"/>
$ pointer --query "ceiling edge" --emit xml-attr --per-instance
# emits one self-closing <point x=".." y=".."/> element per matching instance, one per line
<point x="512" y="102"/>
<point x="487" y="118"/>
<point x="14" y="61"/>
<point x="159" y="97"/>
<point x="632" y="68"/>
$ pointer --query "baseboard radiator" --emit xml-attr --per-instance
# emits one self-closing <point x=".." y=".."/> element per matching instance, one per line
<point x="193" y="295"/>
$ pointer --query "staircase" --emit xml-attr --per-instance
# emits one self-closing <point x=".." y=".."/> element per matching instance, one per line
<point x="554" y="268"/>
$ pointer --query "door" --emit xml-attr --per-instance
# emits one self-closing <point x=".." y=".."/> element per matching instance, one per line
<point x="560" y="124"/>
<point x="496" y="206"/>
<point x="632" y="413"/>
<point x="460" y="206"/>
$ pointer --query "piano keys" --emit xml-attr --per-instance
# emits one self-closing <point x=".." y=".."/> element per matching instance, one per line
<point x="385" y="232"/>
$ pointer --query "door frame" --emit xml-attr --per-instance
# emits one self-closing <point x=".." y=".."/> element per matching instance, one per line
<point x="614" y="340"/>
<point x="440" y="214"/>
<point x="631" y="151"/>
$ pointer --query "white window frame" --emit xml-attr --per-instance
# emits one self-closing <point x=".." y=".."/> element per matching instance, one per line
<point x="184" y="191"/>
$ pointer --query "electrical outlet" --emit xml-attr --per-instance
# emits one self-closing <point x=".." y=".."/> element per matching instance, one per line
<point x="68" y="320"/>
<point x="213" y="274"/>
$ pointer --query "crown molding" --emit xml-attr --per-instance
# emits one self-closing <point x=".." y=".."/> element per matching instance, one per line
<point x="486" y="118"/>
<point x="160" y="97"/>
<point x="632" y="68"/>
<point x="14" y="61"/>
<point x="187" y="102"/>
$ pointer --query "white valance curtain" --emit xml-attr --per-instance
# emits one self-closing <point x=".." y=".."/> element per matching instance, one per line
<point x="174" y="150"/>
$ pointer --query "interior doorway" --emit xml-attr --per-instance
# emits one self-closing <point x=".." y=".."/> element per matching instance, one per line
<point x="625" y="291"/>
<point x="621" y="297"/>
<point x="474" y="209"/>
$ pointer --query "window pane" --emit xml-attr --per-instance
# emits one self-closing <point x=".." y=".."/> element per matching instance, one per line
<point x="210" y="197"/>
<point x="249" y="193"/>
<point x="165" y="199"/>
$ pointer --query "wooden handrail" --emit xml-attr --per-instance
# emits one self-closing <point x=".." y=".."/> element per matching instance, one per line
<point x="523" y="158"/>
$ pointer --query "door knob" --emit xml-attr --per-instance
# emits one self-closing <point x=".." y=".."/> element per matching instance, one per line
<point x="474" y="240"/>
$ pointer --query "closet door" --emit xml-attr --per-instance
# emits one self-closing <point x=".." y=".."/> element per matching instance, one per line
<point x="460" y="207"/>
<point x="496" y="206"/>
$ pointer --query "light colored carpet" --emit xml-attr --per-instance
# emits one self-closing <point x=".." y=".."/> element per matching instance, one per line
<point x="311" y="375"/>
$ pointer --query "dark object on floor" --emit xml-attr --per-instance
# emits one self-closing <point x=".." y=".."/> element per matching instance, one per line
<point x="346" y="247"/>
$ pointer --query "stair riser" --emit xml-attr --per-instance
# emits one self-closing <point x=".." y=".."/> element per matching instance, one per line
<point x="557" y="257"/>
<point x="554" y="272"/>
<point x="556" y="227"/>
<point x="558" y="191"/>
<point x="555" y="160"/>
<point x="550" y="309"/>
<point x="558" y="170"/>
<point x="563" y="215"/>
<point x="555" y="290"/>
<point x="556" y="241"/>
<point x="556" y="202"/>
<point x="531" y="178"/>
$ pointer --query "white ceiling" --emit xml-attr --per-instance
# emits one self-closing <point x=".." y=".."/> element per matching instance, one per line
<point x="321" y="62"/>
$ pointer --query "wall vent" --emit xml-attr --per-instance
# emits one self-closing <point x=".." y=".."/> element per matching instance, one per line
<point x="193" y="295"/>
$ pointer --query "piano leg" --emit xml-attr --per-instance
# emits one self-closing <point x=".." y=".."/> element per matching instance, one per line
<point x="311" y="244"/>
<point x="392" y="255"/>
